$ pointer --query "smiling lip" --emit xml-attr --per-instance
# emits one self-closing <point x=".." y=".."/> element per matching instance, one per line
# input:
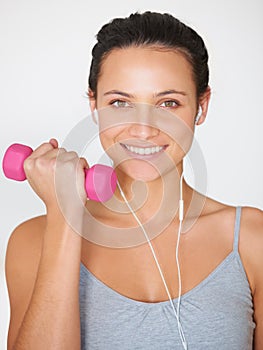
<point x="143" y="152"/>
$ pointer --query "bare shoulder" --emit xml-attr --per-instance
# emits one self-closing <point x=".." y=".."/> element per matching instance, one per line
<point x="22" y="259"/>
<point x="24" y="245"/>
<point x="251" y="244"/>
<point x="251" y="247"/>
<point x="219" y="213"/>
<point x="251" y="234"/>
<point x="252" y="221"/>
<point x="251" y="227"/>
<point x="251" y="238"/>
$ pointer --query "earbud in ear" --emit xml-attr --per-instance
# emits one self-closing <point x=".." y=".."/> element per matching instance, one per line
<point x="199" y="114"/>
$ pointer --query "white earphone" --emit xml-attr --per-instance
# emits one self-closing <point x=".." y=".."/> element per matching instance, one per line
<point x="199" y="114"/>
<point x="181" y="217"/>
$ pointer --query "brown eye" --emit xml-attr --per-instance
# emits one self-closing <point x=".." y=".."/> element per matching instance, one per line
<point x="119" y="104"/>
<point x="169" y="104"/>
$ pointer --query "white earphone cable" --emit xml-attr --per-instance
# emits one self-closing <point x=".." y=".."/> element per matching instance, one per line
<point x="181" y="216"/>
<point x="181" y="208"/>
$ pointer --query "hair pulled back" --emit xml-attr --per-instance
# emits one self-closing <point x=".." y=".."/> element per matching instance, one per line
<point x="151" y="29"/>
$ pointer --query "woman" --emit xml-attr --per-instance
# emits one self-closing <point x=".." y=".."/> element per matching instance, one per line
<point x="70" y="292"/>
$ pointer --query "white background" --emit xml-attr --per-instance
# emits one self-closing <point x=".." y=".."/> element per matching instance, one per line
<point x="44" y="61"/>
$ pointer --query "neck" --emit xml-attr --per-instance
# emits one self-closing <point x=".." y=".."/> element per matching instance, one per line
<point x="148" y="198"/>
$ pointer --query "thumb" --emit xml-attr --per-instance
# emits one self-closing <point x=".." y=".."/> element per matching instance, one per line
<point x="84" y="162"/>
<point x="54" y="143"/>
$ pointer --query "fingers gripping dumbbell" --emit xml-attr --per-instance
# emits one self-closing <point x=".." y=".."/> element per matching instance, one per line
<point x="100" y="180"/>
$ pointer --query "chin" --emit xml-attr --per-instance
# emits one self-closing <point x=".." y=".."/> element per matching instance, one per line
<point x="140" y="170"/>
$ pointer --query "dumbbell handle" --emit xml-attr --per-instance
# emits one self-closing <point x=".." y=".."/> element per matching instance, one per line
<point x="100" y="180"/>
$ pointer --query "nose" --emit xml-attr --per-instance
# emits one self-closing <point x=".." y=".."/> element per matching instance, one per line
<point x="143" y="122"/>
<point x="142" y="131"/>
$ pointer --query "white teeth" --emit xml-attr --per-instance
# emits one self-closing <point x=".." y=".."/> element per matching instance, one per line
<point x="144" y="151"/>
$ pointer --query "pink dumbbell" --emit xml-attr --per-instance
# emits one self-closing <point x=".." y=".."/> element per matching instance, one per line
<point x="100" y="180"/>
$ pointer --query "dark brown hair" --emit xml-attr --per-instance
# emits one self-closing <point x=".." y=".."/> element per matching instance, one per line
<point x="151" y="29"/>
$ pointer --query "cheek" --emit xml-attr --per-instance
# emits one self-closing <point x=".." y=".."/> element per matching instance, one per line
<point x="106" y="139"/>
<point x="187" y="115"/>
<point x="180" y="134"/>
<point x="109" y="137"/>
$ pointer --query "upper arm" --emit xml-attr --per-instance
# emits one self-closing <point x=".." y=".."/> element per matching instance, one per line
<point x="22" y="259"/>
<point x="251" y="241"/>
<point x="258" y="292"/>
<point x="258" y="307"/>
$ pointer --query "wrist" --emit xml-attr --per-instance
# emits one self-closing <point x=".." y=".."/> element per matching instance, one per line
<point x="62" y="231"/>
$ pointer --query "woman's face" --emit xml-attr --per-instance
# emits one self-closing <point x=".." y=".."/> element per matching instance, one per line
<point x="132" y="79"/>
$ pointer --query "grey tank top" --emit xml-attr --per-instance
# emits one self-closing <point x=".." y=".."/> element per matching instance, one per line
<point x="217" y="314"/>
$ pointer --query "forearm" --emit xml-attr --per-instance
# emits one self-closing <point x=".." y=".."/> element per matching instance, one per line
<point x="52" y="318"/>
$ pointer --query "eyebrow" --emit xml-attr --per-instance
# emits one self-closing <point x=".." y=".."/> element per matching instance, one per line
<point x="117" y="92"/>
<point x="169" y="92"/>
<point x="159" y="94"/>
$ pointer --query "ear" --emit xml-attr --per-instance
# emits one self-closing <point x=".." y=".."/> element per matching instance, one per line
<point x="92" y="100"/>
<point x="204" y="102"/>
<point x="93" y="105"/>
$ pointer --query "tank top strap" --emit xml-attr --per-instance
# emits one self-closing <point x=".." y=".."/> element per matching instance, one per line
<point x="237" y="228"/>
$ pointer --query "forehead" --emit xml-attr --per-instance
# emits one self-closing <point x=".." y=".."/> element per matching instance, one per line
<point x="145" y="67"/>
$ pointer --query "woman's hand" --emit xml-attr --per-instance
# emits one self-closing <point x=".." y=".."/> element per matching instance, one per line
<point x="44" y="301"/>
<point x="57" y="177"/>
